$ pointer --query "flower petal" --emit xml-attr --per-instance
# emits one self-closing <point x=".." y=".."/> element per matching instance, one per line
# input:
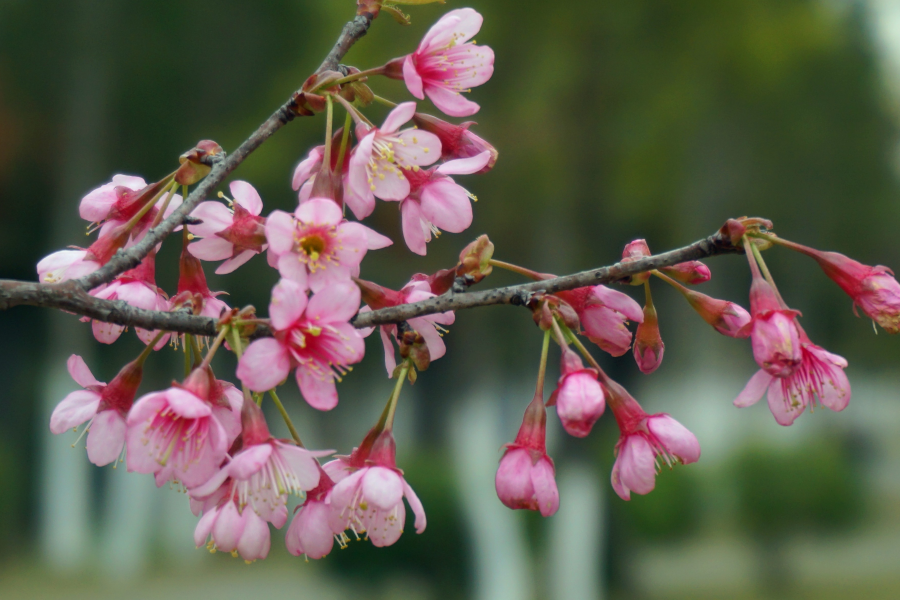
<point x="80" y="372"/>
<point x="318" y="390"/>
<point x="754" y="389"/>
<point x="264" y="365"/>
<point x="288" y="303"/>
<point x="247" y="196"/>
<point x="75" y="409"/>
<point x="106" y="438"/>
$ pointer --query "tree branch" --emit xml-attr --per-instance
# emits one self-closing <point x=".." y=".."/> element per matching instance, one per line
<point x="71" y="297"/>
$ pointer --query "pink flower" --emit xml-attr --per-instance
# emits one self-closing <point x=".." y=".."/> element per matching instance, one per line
<point x="691" y="272"/>
<point x="578" y="396"/>
<point x="603" y="313"/>
<point x="436" y="202"/>
<point x="369" y="491"/>
<point x="642" y="440"/>
<point x="444" y="65"/>
<point x="456" y="140"/>
<point x="192" y="285"/>
<point x="726" y="317"/>
<point x="315" y="526"/>
<point x="376" y="167"/>
<point x="105" y="202"/>
<point x="314" y="336"/>
<point x="231" y="527"/>
<point x="235" y="235"/>
<point x="103" y="406"/>
<point x="526" y="477"/>
<point x="648" y="344"/>
<point x="182" y="433"/>
<point x="820" y="374"/>
<point x="317" y="247"/>
<point x="72" y="264"/>
<point x="428" y="326"/>
<point x="138" y="288"/>
<point x="265" y="471"/>
<point x="773" y="331"/>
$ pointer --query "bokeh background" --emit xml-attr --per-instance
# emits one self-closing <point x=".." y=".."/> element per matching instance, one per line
<point x="614" y="120"/>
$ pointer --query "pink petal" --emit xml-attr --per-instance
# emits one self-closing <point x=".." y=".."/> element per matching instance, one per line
<point x="447" y="205"/>
<point x="255" y="539"/>
<point x="465" y="166"/>
<point x="374" y="240"/>
<point x="416" y="505"/>
<point x="399" y="115"/>
<point x="412" y="79"/>
<point x="676" y="438"/>
<point x="264" y="365"/>
<point x="382" y="487"/>
<point x="450" y="102"/>
<point x="637" y="469"/>
<point x="358" y="193"/>
<point x="318" y="390"/>
<point x="383" y="527"/>
<point x="303" y="463"/>
<point x="204" y="527"/>
<point x="619" y="302"/>
<point x="75" y="409"/>
<point x="342" y="344"/>
<point x="290" y="267"/>
<point x="353" y="240"/>
<point x="228" y="528"/>
<point x="249" y="461"/>
<point x="232" y="264"/>
<point x="754" y="389"/>
<point x="212" y="248"/>
<point x="419" y="148"/>
<point x="334" y="304"/>
<point x="280" y="231"/>
<point x="390" y="359"/>
<point x="106" y="438"/>
<point x="308" y="166"/>
<point x="288" y="303"/>
<point x="836" y="391"/>
<point x="436" y="346"/>
<point x="783" y="408"/>
<point x="413" y="231"/>
<point x="80" y="372"/>
<point x="345" y="489"/>
<point x="513" y="479"/>
<point x="458" y="25"/>
<point x="186" y="404"/>
<point x="215" y="216"/>
<point x="246" y="196"/>
<point x="543" y="479"/>
<point x="320" y="211"/>
<point x="310" y="532"/>
<point x="393" y="185"/>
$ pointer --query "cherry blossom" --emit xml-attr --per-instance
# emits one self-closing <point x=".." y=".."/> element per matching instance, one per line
<point x="773" y="330"/>
<point x="103" y="202"/>
<point x="648" y="344"/>
<point x="315" y="525"/>
<point x="312" y="336"/>
<point x="316" y="247"/>
<point x="578" y="397"/>
<point x="603" y="314"/>
<point x="447" y="64"/>
<point x="231" y="235"/>
<point x="457" y="141"/>
<point x="379" y="160"/>
<point x="230" y="527"/>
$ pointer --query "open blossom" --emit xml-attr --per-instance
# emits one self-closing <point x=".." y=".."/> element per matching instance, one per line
<point x="526" y="477"/>
<point x="231" y="528"/>
<point x="369" y="490"/>
<point x="313" y="336"/>
<point x="182" y="433"/>
<point x="315" y="525"/>
<point x="603" y="314"/>
<point x="231" y="235"/>
<point x="101" y="203"/>
<point x="644" y="440"/>
<point x="316" y="247"/>
<point x="376" y="167"/>
<point x="773" y="330"/>
<point x="579" y="398"/>
<point x="820" y="375"/>
<point x="437" y="202"/>
<point x="427" y="326"/>
<point x="102" y="406"/>
<point x="446" y="64"/>
<point x="138" y="288"/>
<point x="116" y="203"/>
<point x="63" y="265"/>
<point x="457" y="141"/>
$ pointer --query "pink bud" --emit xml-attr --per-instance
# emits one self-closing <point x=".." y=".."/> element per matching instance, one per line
<point x="634" y="251"/>
<point x="691" y="272"/>
<point x="648" y="344"/>
<point x="578" y="397"/>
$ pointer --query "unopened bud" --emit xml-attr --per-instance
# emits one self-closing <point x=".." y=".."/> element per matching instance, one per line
<point x="475" y="259"/>
<point x="691" y="272"/>
<point x="634" y="251"/>
<point x="195" y="162"/>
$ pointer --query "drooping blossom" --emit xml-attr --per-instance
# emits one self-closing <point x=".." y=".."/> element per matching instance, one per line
<point x="446" y="64"/>
<point x="369" y="490"/>
<point x="820" y="375"/>
<point x="376" y="167"/>
<point x="645" y="441"/>
<point x="427" y="326"/>
<point x="312" y="336"/>
<point x="578" y="397"/>
<point x="726" y="317"/>
<point x="233" y="235"/>
<point x="264" y="472"/>
<point x="316" y="247"/>
<point x="182" y="433"/>
<point x="457" y="141"/>
<point x="526" y="477"/>
<point x="138" y="288"/>
<point x="116" y="203"/>
<point x="104" y="408"/>
<point x="306" y="172"/>
<point x="873" y="289"/>
<point x="192" y="285"/>
<point x="773" y="330"/>
<point x="102" y="202"/>
<point x="315" y="525"/>
<point x="648" y="344"/>
<point x="230" y="528"/>
<point x="64" y="265"/>
<point x="437" y="202"/>
<point x="603" y="314"/>
<point x="691" y="272"/>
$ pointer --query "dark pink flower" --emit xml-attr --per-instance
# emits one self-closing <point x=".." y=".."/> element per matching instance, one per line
<point x="457" y="141"/>
<point x="643" y="440"/>
<point x="312" y="336"/>
<point x="726" y="317"/>
<point x="379" y="160"/>
<point x="232" y="235"/>
<point x="691" y="272"/>
<point x="578" y="397"/>
<point x="773" y="331"/>
<point x="445" y="64"/>
<point x="315" y="526"/>
<point x="316" y="247"/>
<point x="603" y="314"/>
<point x="819" y="375"/>
<point x="437" y="202"/>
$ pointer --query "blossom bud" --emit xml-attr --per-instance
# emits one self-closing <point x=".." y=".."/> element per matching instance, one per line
<point x="648" y="345"/>
<point x="727" y="317"/>
<point x="194" y="162"/>
<point x="578" y="397"/>
<point x="773" y="331"/>
<point x="456" y="140"/>
<point x="475" y="259"/>
<point x="691" y="272"/>
<point x="633" y="251"/>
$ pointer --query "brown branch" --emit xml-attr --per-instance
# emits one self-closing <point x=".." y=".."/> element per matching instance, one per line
<point x="70" y="297"/>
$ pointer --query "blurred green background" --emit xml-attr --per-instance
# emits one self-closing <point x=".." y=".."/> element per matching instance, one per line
<point x="614" y="120"/>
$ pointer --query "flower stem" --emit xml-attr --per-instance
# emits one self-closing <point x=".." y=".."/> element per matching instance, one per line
<point x="287" y="419"/>
<point x="215" y="346"/>
<point x="195" y="346"/>
<point x="329" y="124"/>
<point x="542" y="369"/>
<point x="384" y="101"/>
<point x="345" y="137"/>
<point x="354" y="112"/>
<point x="765" y="271"/>
<point x="355" y="76"/>
<point x="146" y="351"/>
<point x="386" y="422"/>
<point x="187" y="354"/>
<point x="517" y="269"/>
<point x="584" y="352"/>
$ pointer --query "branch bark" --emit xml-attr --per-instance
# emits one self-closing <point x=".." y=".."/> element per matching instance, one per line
<point x="71" y="297"/>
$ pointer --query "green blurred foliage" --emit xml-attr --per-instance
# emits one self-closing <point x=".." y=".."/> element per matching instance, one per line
<point x="670" y="512"/>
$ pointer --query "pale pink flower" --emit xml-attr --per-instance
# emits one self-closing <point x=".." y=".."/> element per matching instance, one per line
<point x="315" y="526"/>
<point x="138" y="288"/>
<point x="644" y="441"/>
<point x="437" y="202"/>
<point x="312" y="336"/>
<point x="446" y="64"/>
<point x="457" y="141"/>
<point x="231" y="527"/>
<point x="103" y="406"/>
<point x="231" y="235"/>
<point x="820" y="375"/>
<point x="603" y="314"/>
<point x="376" y="167"/>
<point x="64" y="265"/>
<point x="182" y="433"/>
<point x="101" y="203"/>
<point x="526" y="477"/>
<point x="578" y="397"/>
<point x="773" y="331"/>
<point x="316" y="247"/>
<point x="369" y="490"/>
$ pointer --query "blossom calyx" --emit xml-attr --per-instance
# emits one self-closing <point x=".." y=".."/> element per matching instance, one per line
<point x="195" y="163"/>
<point x="475" y="260"/>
